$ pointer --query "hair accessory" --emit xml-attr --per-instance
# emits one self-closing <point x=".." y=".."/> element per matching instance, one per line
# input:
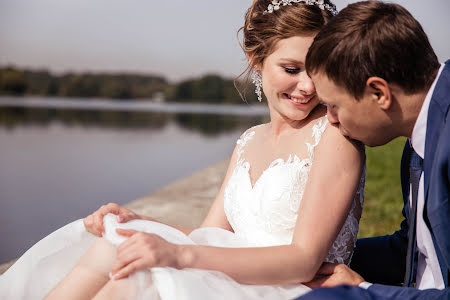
<point x="257" y="81"/>
<point x="275" y="5"/>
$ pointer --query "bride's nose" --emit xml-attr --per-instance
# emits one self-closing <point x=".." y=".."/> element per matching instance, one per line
<point x="305" y="84"/>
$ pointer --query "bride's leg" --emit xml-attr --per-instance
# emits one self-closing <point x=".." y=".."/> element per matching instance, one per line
<point x="89" y="275"/>
<point x="127" y="288"/>
<point x="116" y="290"/>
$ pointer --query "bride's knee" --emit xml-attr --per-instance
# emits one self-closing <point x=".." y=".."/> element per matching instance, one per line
<point x="138" y="285"/>
<point x="100" y="257"/>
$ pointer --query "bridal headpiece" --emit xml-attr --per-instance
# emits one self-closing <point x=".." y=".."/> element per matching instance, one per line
<point x="275" y="5"/>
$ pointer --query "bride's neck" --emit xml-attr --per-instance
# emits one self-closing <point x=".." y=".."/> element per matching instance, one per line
<point x="281" y="125"/>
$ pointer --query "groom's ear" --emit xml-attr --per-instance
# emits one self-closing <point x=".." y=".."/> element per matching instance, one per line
<point x="378" y="90"/>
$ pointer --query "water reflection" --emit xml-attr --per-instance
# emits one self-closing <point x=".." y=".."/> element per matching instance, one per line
<point x="59" y="165"/>
<point x="206" y="124"/>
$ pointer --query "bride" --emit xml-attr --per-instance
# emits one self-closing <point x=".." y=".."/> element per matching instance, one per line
<point x="291" y="199"/>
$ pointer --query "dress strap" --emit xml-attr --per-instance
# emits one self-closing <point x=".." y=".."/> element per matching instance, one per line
<point x="243" y="139"/>
<point x="317" y="131"/>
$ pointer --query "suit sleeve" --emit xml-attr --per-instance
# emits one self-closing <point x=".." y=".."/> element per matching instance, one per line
<point x="382" y="259"/>
<point x="376" y="291"/>
<point x="396" y="292"/>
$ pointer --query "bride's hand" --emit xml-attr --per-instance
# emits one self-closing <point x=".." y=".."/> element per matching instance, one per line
<point x="142" y="251"/>
<point x="94" y="222"/>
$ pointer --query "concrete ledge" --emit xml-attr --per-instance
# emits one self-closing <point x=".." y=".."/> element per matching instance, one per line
<point x="185" y="202"/>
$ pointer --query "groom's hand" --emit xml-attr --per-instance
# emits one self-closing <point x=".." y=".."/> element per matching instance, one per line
<point x="330" y="275"/>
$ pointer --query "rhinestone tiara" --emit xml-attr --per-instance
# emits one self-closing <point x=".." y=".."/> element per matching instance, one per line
<point x="275" y="5"/>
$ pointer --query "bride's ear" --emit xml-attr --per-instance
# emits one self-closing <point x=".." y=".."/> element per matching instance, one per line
<point x="250" y="57"/>
<point x="254" y="67"/>
<point x="378" y="90"/>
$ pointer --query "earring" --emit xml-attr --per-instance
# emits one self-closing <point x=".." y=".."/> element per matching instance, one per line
<point x="257" y="81"/>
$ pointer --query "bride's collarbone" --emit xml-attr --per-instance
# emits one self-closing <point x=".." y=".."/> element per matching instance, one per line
<point x="260" y="157"/>
<point x="286" y="145"/>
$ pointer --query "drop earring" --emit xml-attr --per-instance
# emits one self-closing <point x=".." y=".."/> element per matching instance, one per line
<point x="257" y="81"/>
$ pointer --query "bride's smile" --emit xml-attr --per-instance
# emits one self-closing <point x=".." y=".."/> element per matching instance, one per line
<point x="298" y="100"/>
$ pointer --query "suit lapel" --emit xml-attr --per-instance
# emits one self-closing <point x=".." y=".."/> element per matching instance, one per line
<point x="437" y="114"/>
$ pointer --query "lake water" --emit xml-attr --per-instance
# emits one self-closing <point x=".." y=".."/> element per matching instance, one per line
<point x="58" y="165"/>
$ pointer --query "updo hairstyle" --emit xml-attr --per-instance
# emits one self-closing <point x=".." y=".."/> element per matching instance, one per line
<point x="262" y="31"/>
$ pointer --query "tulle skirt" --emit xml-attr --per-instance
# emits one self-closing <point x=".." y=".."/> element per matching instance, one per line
<point x="49" y="260"/>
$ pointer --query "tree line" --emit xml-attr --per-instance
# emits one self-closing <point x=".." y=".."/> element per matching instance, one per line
<point x="209" y="88"/>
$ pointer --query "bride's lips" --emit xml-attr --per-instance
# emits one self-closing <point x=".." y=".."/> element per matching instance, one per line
<point x="298" y="100"/>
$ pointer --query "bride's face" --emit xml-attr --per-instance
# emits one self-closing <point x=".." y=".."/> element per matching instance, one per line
<point x="288" y="89"/>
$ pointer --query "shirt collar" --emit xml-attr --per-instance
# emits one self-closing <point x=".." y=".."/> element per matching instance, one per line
<point x="420" y="127"/>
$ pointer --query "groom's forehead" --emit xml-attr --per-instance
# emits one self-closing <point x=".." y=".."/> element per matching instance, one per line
<point x="325" y="87"/>
<point x="329" y="90"/>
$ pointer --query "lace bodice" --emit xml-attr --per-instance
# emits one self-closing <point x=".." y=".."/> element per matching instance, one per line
<point x="265" y="214"/>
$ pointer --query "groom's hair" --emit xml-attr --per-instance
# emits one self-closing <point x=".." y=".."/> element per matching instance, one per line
<point x="372" y="38"/>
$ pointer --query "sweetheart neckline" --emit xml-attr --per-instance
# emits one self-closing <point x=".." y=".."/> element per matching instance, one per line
<point x="278" y="162"/>
<point x="248" y="135"/>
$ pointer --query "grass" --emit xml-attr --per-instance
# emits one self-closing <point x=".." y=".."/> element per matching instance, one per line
<point x="383" y="197"/>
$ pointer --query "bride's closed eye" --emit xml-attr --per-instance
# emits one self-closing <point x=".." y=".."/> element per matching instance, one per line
<point x="292" y="70"/>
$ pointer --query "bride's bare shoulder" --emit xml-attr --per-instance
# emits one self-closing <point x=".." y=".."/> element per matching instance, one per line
<point x="334" y="143"/>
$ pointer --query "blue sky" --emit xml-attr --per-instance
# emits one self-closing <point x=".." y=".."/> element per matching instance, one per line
<point x="173" y="38"/>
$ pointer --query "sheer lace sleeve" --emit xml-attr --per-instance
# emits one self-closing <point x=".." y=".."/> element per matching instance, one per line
<point x="342" y="249"/>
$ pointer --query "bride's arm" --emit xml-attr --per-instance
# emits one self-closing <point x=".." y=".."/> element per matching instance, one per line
<point x="327" y="199"/>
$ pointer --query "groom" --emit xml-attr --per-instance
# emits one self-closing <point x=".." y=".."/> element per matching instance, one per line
<point x="375" y="69"/>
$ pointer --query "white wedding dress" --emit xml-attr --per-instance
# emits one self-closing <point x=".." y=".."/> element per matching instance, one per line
<point x="261" y="215"/>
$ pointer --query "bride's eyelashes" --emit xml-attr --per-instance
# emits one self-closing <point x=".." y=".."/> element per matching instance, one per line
<point x="292" y="70"/>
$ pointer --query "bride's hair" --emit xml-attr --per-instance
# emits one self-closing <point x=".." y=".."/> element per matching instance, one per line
<point x="262" y="30"/>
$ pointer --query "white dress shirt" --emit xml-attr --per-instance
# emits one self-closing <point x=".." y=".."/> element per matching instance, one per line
<point x="428" y="271"/>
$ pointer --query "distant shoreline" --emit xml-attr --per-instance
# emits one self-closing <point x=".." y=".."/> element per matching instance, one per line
<point x="209" y="88"/>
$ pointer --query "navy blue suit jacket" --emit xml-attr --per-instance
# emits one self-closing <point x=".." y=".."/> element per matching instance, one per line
<point x="381" y="260"/>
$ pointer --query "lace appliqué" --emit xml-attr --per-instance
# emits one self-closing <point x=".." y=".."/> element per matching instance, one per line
<point x="265" y="214"/>
<point x="342" y="249"/>
<point x="245" y="137"/>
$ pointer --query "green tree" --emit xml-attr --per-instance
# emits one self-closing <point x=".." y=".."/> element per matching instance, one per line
<point x="12" y="82"/>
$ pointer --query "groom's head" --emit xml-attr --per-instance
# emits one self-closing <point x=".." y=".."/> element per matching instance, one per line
<point x="364" y="61"/>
